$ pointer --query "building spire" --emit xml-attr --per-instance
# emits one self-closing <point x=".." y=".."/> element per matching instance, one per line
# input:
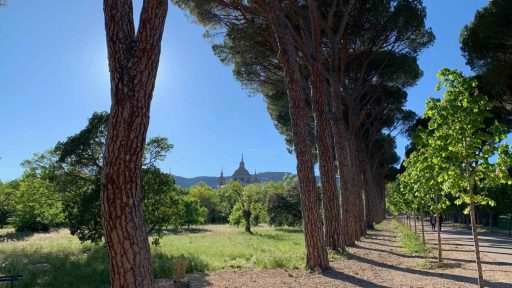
<point x="242" y="163"/>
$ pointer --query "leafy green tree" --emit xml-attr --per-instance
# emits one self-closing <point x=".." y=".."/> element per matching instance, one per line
<point x="210" y="199"/>
<point x="7" y="198"/>
<point x="249" y="205"/>
<point x="467" y="143"/>
<point x="161" y="200"/>
<point x="193" y="213"/>
<point x="283" y="203"/>
<point x="421" y="184"/>
<point x="75" y="165"/>
<point x="486" y="45"/>
<point x="38" y="205"/>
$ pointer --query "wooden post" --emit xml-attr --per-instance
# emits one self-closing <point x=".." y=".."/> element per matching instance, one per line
<point x="179" y="269"/>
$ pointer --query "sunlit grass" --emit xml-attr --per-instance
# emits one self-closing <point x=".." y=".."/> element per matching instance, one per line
<point x="409" y="240"/>
<point x="68" y="263"/>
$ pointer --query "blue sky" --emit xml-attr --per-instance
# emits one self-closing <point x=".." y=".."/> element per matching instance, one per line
<point x="54" y="75"/>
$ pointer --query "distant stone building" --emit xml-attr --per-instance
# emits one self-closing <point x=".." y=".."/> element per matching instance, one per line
<point x="241" y="175"/>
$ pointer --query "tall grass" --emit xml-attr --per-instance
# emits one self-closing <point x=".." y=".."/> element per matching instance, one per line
<point x="68" y="263"/>
<point x="410" y="241"/>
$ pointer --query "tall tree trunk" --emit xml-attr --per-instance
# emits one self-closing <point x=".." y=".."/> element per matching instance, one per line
<point x="133" y="64"/>
<point x="247" y="218"/>
<point x="316" y="254"/>
<point x="350" y="206"/>
<point x="370" y="195"/>
<point x="439" y="248"/>
<point x="358" y="209"/>
<point x="324" y="137"/>
<point x="324" y="141"/>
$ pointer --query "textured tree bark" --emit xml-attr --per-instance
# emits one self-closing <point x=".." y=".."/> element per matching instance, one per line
<point x="370" y="195"/>
<point x="247" y="218"/>
<point x="324" y="137"/>
<point x="358" y="208"/>
<point x="316" y="254"/>
<point x="133" y="64"/>
<point x="324" y="141"/>
<point x="345" y="167"/>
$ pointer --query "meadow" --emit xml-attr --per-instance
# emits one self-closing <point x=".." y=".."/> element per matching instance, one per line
<point x="58" y="259"/>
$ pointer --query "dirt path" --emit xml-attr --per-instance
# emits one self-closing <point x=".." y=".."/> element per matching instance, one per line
<point x="378" y="261"/>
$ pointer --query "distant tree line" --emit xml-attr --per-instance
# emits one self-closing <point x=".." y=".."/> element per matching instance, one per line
<point x="61" y="187"/>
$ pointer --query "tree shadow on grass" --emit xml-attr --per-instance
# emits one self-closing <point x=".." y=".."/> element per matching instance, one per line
<point x="14" y="236"/>
<point x="294" y="230"/>
<point x="83" y="267"/>
<point x="183" y="231"/>
<point x="456" y="278"/>
<point x="277" y="237"/>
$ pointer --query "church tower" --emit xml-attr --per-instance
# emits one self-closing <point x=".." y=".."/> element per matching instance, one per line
<point x="221" y="181"/>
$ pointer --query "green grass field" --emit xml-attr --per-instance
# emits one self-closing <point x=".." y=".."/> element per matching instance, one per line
<point x="58" y="259"/>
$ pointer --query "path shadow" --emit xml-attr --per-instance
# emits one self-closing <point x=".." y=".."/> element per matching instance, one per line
<point x="456" y="278"/>
<point x="193" y="280"/>
<point x="378" y="243"/>
<point x="338" y="275"/>
<point x="377" y="236"/>
<point x="419" y="257"/>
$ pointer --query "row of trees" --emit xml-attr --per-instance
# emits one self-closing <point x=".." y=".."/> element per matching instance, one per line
<point x="459" y="153"/>
<point x="334" y="75"/>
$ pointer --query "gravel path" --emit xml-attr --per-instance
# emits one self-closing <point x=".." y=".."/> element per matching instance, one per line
<point x="378" y="261"/>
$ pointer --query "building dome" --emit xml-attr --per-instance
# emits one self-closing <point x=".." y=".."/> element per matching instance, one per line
<point x="241" y="174"/>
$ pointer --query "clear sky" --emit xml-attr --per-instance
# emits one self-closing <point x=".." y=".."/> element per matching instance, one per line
<point x="54" y="75"/>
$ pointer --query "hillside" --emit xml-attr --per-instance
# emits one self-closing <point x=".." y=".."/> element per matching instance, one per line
<point x="212" y="180"/>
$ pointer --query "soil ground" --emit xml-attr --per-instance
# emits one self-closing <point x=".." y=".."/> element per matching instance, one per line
<point x="379" y="261"/>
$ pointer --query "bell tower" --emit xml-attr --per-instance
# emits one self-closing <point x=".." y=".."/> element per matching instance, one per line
<point x="221" y="181"/>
